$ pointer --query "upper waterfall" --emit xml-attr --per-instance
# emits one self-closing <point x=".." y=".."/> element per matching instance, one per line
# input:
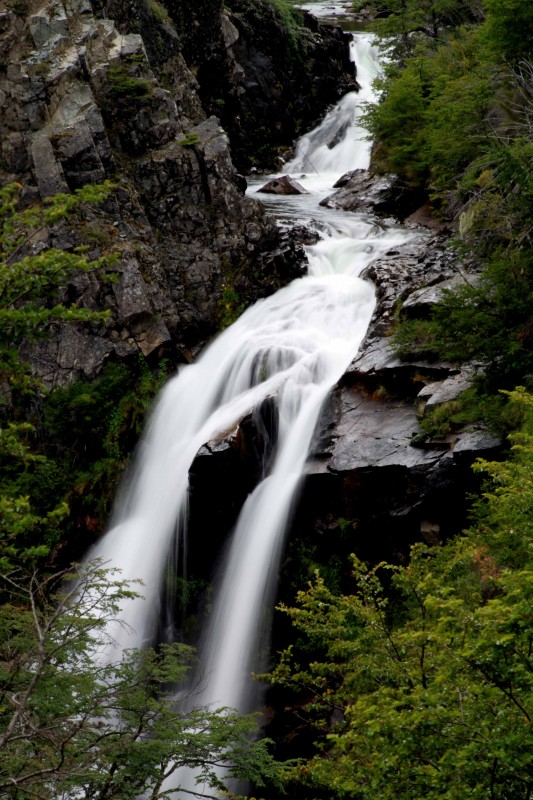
<point x="340" y="143"/>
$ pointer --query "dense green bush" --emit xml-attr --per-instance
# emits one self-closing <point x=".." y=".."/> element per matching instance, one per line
<point x="420" y="682"/>
<point x="456" y="119"/>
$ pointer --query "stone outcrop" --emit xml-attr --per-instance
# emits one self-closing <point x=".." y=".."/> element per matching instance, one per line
<point x="268" y="77"/>
<point x="84" y="98"/>
<point x="360" y="190"/>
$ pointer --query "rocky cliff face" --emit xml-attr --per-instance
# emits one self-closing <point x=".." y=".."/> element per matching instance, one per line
<point x="89" y="92"/>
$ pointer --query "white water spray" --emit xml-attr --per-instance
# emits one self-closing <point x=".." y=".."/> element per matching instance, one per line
<point x="295" y="346"/>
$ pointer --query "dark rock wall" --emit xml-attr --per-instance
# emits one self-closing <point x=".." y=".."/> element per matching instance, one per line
<point x="267" y="79"/>
<point x="280" y="82"/>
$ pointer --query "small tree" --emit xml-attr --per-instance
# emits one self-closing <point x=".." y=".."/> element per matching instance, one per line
<point x="73" y="724"/>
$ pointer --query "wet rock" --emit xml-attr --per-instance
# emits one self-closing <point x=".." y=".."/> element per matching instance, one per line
<point x="360" y="191"/>
<point x="378" y="362"/>
<point x="371" y="434"/>
<point x="419" y="303"/>
<point x="283" y="185"/>
<point x="476" y="442"/>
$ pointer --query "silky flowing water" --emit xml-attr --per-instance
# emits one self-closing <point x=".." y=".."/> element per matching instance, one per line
<point x="293" y="346"/>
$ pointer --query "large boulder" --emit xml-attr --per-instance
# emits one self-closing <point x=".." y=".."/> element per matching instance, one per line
<point x="283" y="185"/>
<point x="360" y="190"/>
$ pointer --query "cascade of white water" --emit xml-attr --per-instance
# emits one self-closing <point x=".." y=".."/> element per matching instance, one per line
<point x="340" y="143"/>
<point x="294" y="345"/>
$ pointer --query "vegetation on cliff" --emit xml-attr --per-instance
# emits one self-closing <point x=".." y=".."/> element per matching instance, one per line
<point x="456" y="118"/>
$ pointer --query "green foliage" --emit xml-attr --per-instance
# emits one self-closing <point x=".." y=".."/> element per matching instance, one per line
<point x="290" y="16"/>
<point x="29" y="284"/>
<point x="504" y="513"/>
<point x="159" y="12"/>
<point x="420" y="682"/>
<point x="71" y="445"/>
<point x="124" y="82"/>
<point x="410" y="21"/>
<point x="397" y="125"/>
<point x="469" y="407"/>
<point x="73" y="724"/>
<point x="88" y="431"/>
<point x="500" y="190"/>
<point x="431" y="122"/>
<point x="458" y="122"/>
<point x="489" y="321"/>
<point x="191" y="139"/>
<point x="509" y="27"/>
<point x="230" y="306"/>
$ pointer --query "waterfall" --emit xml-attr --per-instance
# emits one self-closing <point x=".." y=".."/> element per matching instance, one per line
<point x="293" y="346"/>
<point x="340" y="143"/>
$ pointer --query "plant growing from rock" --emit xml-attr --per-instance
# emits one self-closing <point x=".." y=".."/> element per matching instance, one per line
<point x="31" y="276"/>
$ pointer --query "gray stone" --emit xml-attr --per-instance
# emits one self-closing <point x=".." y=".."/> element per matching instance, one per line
<point x="419" y="302"/>
<point x="69" y="354"/>
<point x="283" y="185"/>
<point x="130" y="293"/>
<point x="15" y="153"/>
<point x="48" y="23"/>
<point x="125" y="46"/>
<point x="151" y="338"/>
<point x="230" y="34"/>
<point x="439" y="392"/>
<point x="476" y="442"/>
<point x="76" y="151"/>
<point x="81" y="352"/>
<point x="49" y="174"/>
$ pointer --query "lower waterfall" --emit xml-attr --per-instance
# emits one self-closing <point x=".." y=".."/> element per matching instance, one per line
<point x="294" y="346"/>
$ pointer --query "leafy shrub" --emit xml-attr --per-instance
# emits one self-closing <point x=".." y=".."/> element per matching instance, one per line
<point x="419" y="682"/>
<point x="124" y="83"/>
